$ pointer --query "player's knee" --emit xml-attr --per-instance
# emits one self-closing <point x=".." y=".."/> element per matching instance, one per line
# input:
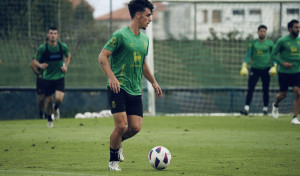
<point x="122" y="128"/>
<point x="135" y="129"/>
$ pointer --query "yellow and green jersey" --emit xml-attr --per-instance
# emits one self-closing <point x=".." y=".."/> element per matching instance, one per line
<point x="259" y="53"/>
<point x="288" y="49"/>
<point x="54" y="57"/>
<point x="127" y="59"/>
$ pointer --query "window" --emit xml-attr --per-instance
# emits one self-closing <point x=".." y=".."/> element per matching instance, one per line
<point x="216" y="16"/>
<point x="204" y="12"/>
<point x="254" y="15"/>
<point x="239" y="12"/>
<point x="238" y="15"/>
<point x="292" y="11"/>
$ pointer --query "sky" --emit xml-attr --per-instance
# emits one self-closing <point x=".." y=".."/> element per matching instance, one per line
<point x="102" y="7"/>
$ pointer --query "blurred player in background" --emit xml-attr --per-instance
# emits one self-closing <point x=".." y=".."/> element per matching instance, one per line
<point x="39" y="88"/>
<point x="259" y="54"/>
<point x="54" y="58"/>
<point x="127" y="49"/>
<point x="288" y="68"/>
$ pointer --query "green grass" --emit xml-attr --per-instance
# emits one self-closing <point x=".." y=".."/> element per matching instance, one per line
<point x="199" y="146"/>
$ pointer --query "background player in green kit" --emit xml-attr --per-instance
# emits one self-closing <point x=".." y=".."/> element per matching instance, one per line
<point x="288" y="68"/>
<point x="127" y="49"/>
<point x="259" y="52"/>
<point x="50" y="57"/>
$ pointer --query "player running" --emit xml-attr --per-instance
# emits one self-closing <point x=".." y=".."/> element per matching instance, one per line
<point x="288" y="48"/>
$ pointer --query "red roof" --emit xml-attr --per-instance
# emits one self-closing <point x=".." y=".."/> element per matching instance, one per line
<point x="123" y="13"/>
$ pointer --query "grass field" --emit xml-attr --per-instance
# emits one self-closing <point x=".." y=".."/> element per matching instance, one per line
<point x="199" y="146"/>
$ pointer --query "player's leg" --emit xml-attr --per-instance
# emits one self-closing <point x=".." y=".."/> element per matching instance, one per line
<point x="265" y="78"/>
<point x="120" y="121"/>
<point x="59" y="96"/>
<point x="117" y="103"/>
<point x="252" y="81"/>
<point x="296" y="91"/>
<point x="49" y="91"/>
<point x="283" y="80"/>
<point x="41" y="97"/>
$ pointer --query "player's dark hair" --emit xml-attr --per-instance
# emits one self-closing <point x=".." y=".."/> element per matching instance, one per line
<point x="262" y="26"/>
<point x="291" y="23"/>
<point x="54" y="28"/>
<point x="139" y="6"/>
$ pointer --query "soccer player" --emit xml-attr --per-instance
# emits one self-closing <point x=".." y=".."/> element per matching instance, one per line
<point x="288" y="68"/>
<point x="39" y="88"/>
<point x="127" y="49"/>
<point x="259" y="52"/>
<point x="54" y="58"/>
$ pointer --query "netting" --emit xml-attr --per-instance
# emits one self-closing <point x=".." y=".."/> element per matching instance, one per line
<point x="198" y="47"/>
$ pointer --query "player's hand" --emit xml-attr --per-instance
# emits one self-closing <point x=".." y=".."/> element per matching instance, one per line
<point x="273" y="70"/>
<point x="64" y="69"/>
<point x="287" y="65"/>
<point x="114" y="85"/>
<point x="43" y="65"/>
<point x="157" y="89"/>
<point x="244" y="70"/>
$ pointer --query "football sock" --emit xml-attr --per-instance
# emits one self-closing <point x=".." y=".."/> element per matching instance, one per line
<point x="124" y="138"/>
<point x="265" y="108"/>
<point x="294" y="116"/>
<point x="56" y="105"/>
<point x="114" y="154"/>
<point x="48" y="117"/>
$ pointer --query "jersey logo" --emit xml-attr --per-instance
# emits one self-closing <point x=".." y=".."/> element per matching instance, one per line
<point x="113" y="42"/>
<point x="131" y="45"/>
<point x="137" y="57"/>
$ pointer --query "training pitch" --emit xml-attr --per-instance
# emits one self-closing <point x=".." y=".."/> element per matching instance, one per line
<point x="208" y="146"/>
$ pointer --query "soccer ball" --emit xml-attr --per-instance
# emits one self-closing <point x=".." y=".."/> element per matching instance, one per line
<point x="159" y="157"/>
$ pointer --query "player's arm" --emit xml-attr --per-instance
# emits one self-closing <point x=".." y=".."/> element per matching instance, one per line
<point x="64" y="68"/>
<point x="276" y="58"/>
<point x="244" y="69"/>
<point x="114" y="84"/>
<point x="34" y="67"/>
<point x="149" y="76"/>
<point x="38" y="57"/>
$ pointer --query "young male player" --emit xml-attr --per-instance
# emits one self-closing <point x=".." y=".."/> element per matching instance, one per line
<point x="127" y="49"/>
<point x="54" y="58"/>
<point x="259" y="52"/>
<point x="288" y="68"/>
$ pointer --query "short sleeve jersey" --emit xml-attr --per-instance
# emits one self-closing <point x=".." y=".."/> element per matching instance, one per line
<point x="127" y="59"/>
<point x="259" y="53"/>
<point x="53" y="56"/>
<point x="289" y="51"/>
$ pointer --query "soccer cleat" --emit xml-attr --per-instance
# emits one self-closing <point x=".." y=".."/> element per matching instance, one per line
<point x="295" y="121"/>
<point x="244" y="112"/>
<point x="121" y="154"/>
<point x="114" y="166"/>
<point x="274" y="111"/>
<point x="265" y="113"/>
<point x="50" y="124"/>
<point x="56" y="114"/>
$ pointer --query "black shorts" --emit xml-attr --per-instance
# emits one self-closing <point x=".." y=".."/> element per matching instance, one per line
<point x="287" y="80"/>
<point x="40" y="86"/>
<point x="124" y="102"/>
<point x="50" y="86"/>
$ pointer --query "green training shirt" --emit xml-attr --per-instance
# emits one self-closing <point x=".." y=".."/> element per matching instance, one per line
<point x="259" y="53"/>
<point x="289" y="51"/>
<point x="127" y="59"/>
<point x="54" y="57"/>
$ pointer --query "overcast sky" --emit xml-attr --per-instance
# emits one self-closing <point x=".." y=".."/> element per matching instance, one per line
<point x="103" y="6"/>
